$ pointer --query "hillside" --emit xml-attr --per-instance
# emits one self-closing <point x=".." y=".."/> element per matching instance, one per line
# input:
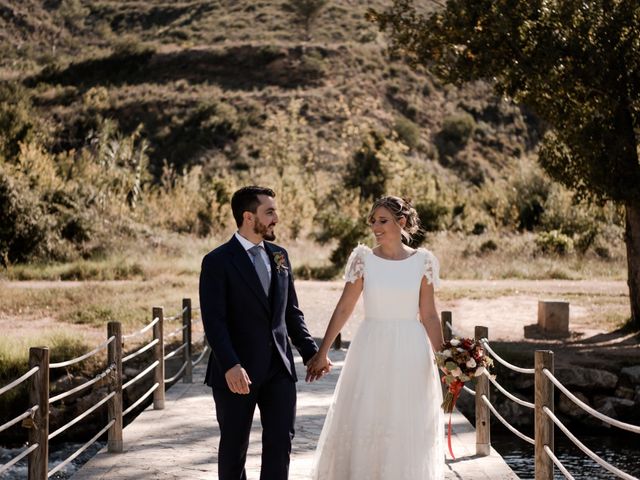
<point x="172" y="66"/>
<point x="232" y="91"/>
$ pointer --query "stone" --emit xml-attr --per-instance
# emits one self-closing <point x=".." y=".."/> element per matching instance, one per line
<point x="631" y="374"/>
<point x="569" y="408"/>
<point x="553" y="317"/>
<point x="625" y="392"/>
<point x="579" y="377"/>
<point x="67" y="382"/>
<point x="614" y="407"/>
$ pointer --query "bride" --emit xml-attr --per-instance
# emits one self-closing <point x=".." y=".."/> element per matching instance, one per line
<point x="385" y="421"/>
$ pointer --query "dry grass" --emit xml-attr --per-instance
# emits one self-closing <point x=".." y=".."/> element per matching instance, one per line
<point x="517" y="257"/>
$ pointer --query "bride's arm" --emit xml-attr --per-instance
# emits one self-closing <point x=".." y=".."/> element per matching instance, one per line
<point x="429" y="315"/>
<point x="340" y="315"/>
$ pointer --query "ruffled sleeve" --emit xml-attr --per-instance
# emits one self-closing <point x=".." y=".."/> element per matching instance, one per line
<point x="355" y="264"/>
<point x="431" y="268"/>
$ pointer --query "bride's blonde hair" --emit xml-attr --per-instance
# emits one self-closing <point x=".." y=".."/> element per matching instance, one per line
<point x="399" y="208"/>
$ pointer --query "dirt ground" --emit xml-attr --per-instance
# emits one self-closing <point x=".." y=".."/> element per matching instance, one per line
<point x="504" y="306"/>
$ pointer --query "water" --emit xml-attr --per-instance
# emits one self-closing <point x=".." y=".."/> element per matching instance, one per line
<point x="620" y="450"/>
<point x="57" y="454"/>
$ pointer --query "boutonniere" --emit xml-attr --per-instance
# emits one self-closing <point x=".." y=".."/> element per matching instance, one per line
<point x="280" y="261"/>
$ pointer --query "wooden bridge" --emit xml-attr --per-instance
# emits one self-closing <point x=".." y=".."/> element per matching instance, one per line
<point x="177" y="436"/>
<point x="181" y="441"/>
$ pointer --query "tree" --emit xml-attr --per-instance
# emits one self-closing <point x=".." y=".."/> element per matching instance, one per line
<point x="306" y="13"/>
<point x="575" y="63"/>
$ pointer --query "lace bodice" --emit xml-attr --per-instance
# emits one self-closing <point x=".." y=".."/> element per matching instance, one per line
<point x="392" y="287"/>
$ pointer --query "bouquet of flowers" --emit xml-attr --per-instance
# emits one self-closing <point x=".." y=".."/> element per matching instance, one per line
<point x="461" y="360"/>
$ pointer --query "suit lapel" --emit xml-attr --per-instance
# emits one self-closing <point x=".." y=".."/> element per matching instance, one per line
<point x="242" y="262"/>
<point x="276" y="278"/>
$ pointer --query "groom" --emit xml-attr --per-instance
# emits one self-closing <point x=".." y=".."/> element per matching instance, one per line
<point x="250" y="310"/>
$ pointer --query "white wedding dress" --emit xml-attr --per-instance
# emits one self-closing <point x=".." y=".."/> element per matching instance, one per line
<point x="385" y="421"/>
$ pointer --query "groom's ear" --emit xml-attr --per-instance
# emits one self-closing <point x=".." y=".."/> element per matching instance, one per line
<point x="247" y="217"/>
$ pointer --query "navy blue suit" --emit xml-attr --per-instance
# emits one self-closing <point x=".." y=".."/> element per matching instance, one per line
<point x="244" y="326"/>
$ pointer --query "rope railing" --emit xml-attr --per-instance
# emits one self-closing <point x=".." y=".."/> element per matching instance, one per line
<point x="73" y="456"/>
<point x="29" y="413"/>
<point x="202" y="354"/>
<point x="469" y="391"/>
<point x="81" y="416"/>
<point x="140" y="351"/>
<point x="511" y="428"/>
<point x="175" y="352"/>
<point x="509" y="395"/>
<point x="94" y="380"/>
<point x="18" y="381"/>
<point x="73" y="361"/>
<point x="600" y="416"/>
<point x="593" y="456"/>
<point x="177" y="375"/>
<point x="485" y="344"/>
<point x="38" y="375"/>
<point x="143" y="330"/>
<point x="140" y="375"/>
<point x="558" y="463"/>
<point x="17" y="458"/>
<point x="141" y="399"/>
<point x="176" y="316"/>
<point x="177" y="331"/>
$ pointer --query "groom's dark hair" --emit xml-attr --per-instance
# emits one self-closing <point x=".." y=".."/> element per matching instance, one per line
<point x="246" y="200"/>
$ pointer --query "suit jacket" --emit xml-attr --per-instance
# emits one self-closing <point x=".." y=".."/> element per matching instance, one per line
<point x="241" y="323"/>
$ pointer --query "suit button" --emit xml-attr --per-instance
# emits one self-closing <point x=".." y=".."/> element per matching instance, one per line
<point x="270" y="344"/>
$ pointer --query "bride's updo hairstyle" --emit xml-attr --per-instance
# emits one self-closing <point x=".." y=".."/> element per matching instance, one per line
<point x="399" y="208"/>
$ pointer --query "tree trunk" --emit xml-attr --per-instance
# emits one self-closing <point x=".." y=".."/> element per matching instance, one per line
<point x="632" y="240"/>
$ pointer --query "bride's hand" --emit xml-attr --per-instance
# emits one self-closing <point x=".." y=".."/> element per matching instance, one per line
<point x="318" y="366"/>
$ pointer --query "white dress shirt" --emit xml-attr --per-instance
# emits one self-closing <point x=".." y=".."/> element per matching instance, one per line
<point x="246" y="244"/>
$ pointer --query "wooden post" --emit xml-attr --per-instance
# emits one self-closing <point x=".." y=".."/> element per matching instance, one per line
<point x="543" y="424"/>
<point x="483" y="414"/>
<point x="186" y="339"/>
<point x="114" y="359"/>
<point x="446" y="317"/>
<point x="38" y="462"/>
<point x="158" y="394"/>
<point x="337" y="343"/>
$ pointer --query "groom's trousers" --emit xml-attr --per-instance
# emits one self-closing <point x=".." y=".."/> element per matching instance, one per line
<point x="276" y="400"/>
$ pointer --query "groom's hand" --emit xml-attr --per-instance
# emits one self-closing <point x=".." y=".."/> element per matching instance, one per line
<point x="238" y="380"/>
<point x="318" y="366"/>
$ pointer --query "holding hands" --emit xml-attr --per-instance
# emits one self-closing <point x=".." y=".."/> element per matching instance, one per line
<point x="318" y="366"/>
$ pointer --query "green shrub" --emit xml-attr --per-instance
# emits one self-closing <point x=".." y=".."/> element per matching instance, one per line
<point x="306" y="272"/>
<point x="530" y="191"/>
<point x="347" y="230"/>
<point x="432" y="217"/>
<point x="408" y="131"/>
<point x="479" y="228"/>
<point x="23" y="222"/>
<point x="488" y="246"/>
<point x="312" y="67"/>
<point x="17" y="124"/>
<point x="455" y="133"/>
<point x="458" y="128"/>
<point x="554" y="242"/>
<point x="374" y="165"/>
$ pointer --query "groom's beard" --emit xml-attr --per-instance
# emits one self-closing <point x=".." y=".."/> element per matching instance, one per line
<point x="261" y="229"/>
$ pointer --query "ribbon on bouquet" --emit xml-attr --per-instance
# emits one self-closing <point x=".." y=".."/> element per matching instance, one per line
<point x="454" y="389"/>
